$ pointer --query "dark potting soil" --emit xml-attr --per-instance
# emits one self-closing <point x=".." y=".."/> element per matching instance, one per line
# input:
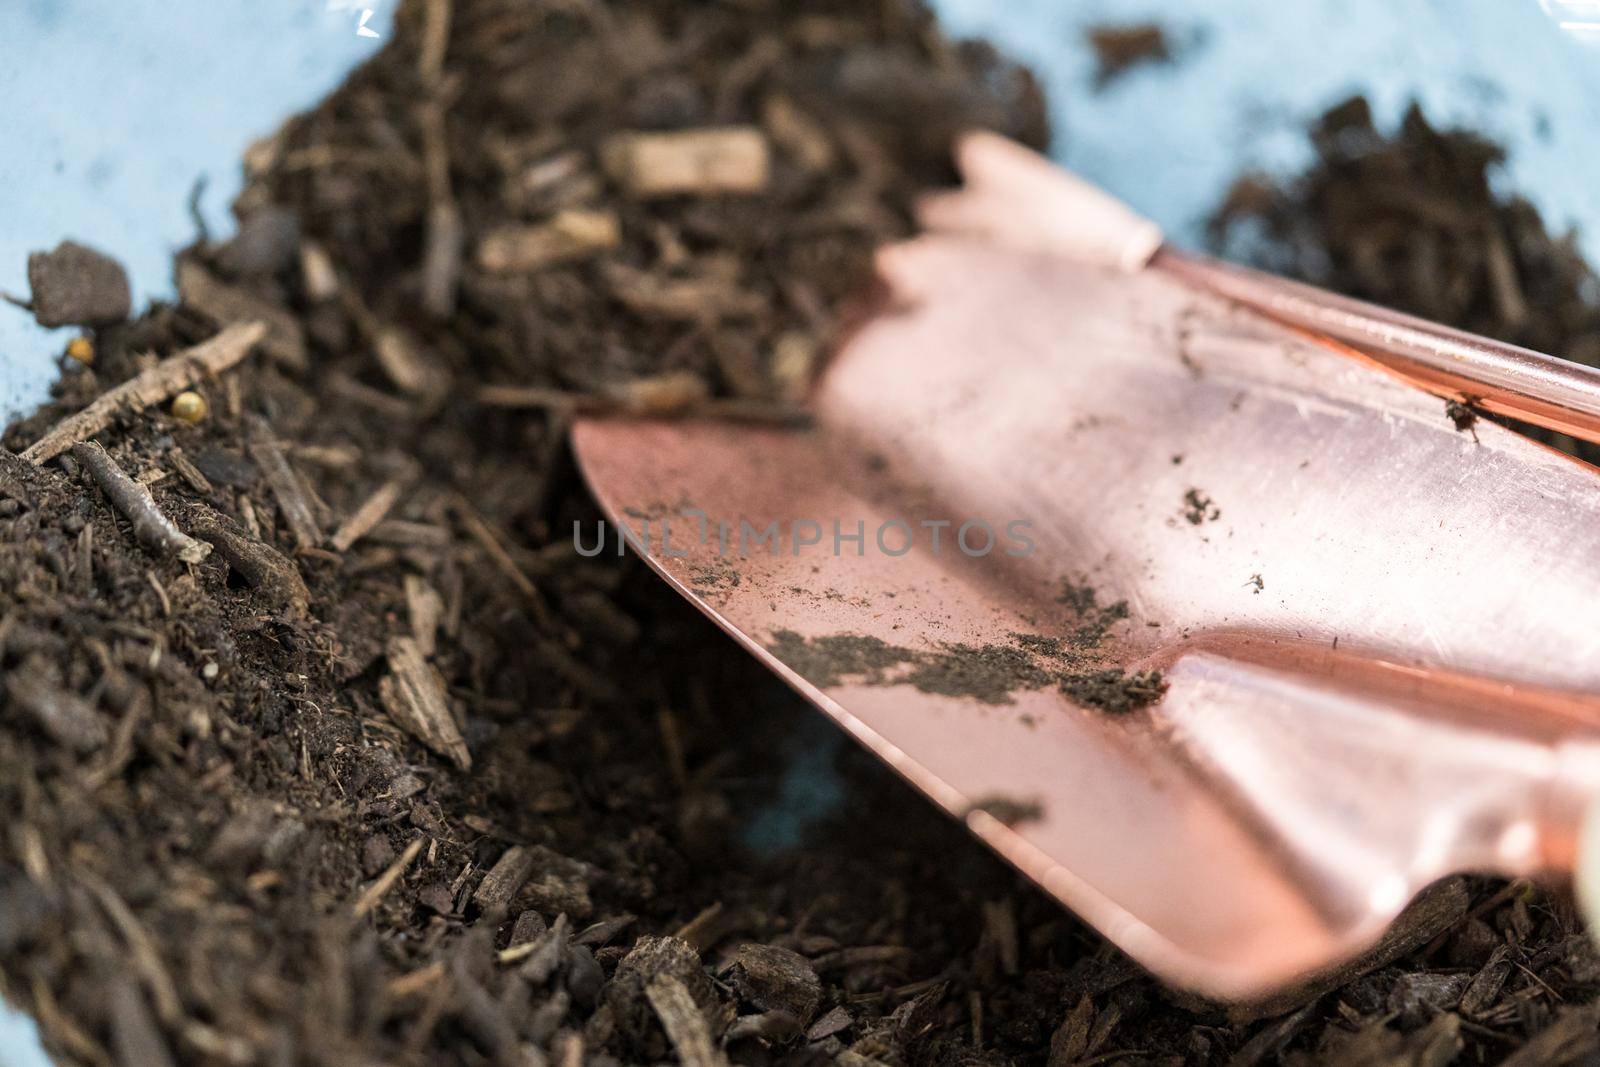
<point x="1120" y="48"/>
<point x="389" y="774"/>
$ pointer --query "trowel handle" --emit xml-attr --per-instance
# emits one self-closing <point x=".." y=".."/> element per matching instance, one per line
<point x="1070" y="217"/>
<point x="1499" y="378"/>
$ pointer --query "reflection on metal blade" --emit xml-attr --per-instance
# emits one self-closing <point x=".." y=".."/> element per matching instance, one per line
<point x="1374" y="632"/>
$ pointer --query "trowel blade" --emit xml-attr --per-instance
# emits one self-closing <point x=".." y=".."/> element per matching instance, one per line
<point x="1376" y="632"/>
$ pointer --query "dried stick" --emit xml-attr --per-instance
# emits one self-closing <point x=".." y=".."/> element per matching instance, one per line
<point x="283" y="482"/>
<point x="372" y="511"/>
<point x="441" y="268"/>
<point x="172" y="375"/>
<point x="414" y="695"/>
<point x="684" y="1023"/>
<point x="385" y="881"/>
<point x="269" y="572"/>
<point x="150" y="525"/>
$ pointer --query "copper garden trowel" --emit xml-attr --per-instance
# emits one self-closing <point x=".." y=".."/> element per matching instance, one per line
<point x="1377" y="635"/>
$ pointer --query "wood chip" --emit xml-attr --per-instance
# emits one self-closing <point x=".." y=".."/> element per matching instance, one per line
<point x="371" y="512"/>
<point x="269" y="572"/>
<point x="284" y="483"/>
<point x="774" y="978"/>
<point x="683" y="1021"/>
<point x="703" y="931"/>
<point x="319" y="279"/>
<point x="414" y="695"/>
<point x="732" y="159"/>
<point x="797" y="133"/>
<point x="1484" y="989"/>
<point x="505" y="878"/>
<point x="603" y="931"/>
<point x="794" y="361"/>
<point x="188" y="471"/>
<point x="425" y="609"/>
<point x="405" y="365"/>
<point x="669" y="393"/>
<point x="691" y="299"/>
<point x="837" y="1020"/>
<point x="172" y="375"/>
<point x="226" y="305"/>
<point x="151" y="526"/>
<point x="573" y="234"/>
<point x="384" y="882"/>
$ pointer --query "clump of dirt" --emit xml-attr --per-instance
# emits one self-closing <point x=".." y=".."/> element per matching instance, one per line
<point x="1462" y="416"/>
<point x="1012" y="811"/>
<point x="1120" y="48"/>
<point x="1199" y="508"/>
<point x="1095" y="619"/>
<point x="1114" y="690"/>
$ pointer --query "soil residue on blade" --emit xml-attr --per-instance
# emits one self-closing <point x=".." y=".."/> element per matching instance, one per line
<point x="1198" y="508"/>
<point x="989" y="673"/>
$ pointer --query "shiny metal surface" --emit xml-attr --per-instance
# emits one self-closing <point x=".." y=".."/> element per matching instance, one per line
<point x="1494" y="376"/>
<point x="1410" y="690"/>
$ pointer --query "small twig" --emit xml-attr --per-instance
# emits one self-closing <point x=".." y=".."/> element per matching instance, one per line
<point x="188" y="471"/>
<point x="684" y="1022"/>
<point x="161" y="592"/>
<point x="505" y="878"/>
<point x="150" y="525"/>
<point x="696" y="929"/>
<point x="196" y="216"/>
<point x="441" y="265"/>
<point x="435" y="40"/>
<point x="372" y="511"/>
<point x="385" y="881"/>
<point x="482" y="533"/>
<point x="284" y="483"/>
<point x="172" y="375"/>
<point x="263" y="567"/>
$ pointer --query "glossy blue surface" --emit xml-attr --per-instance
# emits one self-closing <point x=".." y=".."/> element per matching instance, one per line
<point x="114" y="109"/>
<point x="1169" y="139"/>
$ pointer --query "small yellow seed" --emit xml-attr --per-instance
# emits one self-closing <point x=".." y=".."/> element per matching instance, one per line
<point x="189" y="407"/>
<point x="82" y="350"/>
